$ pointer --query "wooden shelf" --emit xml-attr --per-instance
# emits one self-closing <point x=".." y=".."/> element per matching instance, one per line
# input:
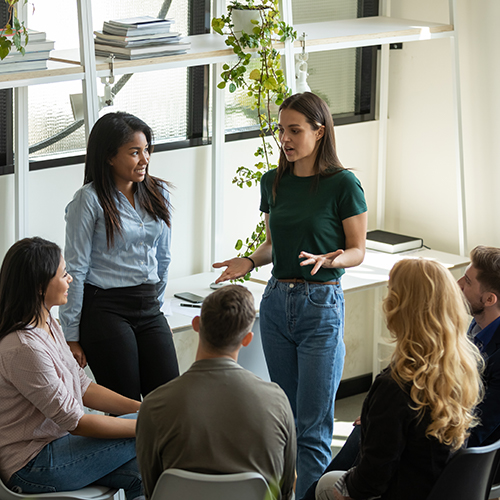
<point x="55" y="72"/>
<point x="366" y="31"/>
<point x="210" y="48"/>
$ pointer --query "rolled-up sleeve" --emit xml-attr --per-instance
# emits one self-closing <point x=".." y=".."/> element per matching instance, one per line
<point x="81" y="214"/>
<point x="35" y="377"/>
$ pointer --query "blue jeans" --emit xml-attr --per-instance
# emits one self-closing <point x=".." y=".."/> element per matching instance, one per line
<point x="73" y="462"/>
<point x="346" y="458"/>
<point x="302" y="328"/>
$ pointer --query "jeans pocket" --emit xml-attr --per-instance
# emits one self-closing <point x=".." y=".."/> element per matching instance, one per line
<point x="322" y="296"/>
<point x="269" y="288"/>
<point x="21" y="485"/>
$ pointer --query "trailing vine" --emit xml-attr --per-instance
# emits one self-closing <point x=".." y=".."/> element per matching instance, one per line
<point x="14" y="32"/>
<point x="266" y="86"/>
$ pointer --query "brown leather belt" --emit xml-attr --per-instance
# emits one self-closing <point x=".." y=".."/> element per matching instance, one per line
<point x="300" y="280"/>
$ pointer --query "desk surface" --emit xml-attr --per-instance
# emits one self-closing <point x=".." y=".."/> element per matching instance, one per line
<point x="373" y="272"/>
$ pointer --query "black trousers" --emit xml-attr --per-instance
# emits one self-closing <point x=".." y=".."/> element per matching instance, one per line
<point x="127" y="340"/>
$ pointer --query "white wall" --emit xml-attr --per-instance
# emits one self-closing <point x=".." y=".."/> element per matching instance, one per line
<point x="421" y="186"/>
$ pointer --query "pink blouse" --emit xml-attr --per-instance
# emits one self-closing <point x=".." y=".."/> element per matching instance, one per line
<point x="41" y="394"/>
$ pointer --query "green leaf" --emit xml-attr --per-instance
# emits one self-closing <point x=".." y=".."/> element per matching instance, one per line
<point x="217" y="25"/>
<point x="4" y="47"/>
<point x="232" y="87"/>
<point x="254" y="74"/>
<point x="239" y="245"/>
<point x="221" y="85"/>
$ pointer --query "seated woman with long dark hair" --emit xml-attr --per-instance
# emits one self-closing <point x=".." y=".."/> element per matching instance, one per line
<point x="47" y="442"/>
<point x="420" y="409"/>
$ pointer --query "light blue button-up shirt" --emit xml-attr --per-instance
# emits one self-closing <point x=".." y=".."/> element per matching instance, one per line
<point x="141" y="254"/>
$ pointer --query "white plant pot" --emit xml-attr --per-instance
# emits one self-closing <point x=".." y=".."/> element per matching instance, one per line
<point x="242" y="20"/>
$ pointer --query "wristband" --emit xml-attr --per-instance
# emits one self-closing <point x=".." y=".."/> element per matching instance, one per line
<point x="252" y="261"/>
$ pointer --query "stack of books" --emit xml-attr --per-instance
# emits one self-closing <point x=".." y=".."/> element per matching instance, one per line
<point x="37" y="51"/>
<point x="139" y="37"/>
<point x="384" y="241"/>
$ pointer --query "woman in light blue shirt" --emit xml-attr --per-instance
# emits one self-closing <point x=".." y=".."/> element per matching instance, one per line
<point x="118" y="252"/>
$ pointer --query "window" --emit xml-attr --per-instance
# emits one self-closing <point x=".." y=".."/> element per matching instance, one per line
<point x="345" y="79"/>
<point x="176" y="102"/>
<point x="161" y="98"/>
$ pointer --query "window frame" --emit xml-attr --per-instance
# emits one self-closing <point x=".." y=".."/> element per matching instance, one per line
<point x="199" y="93"/>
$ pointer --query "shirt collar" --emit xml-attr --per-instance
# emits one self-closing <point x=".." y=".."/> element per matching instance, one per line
<point x="484" y="336"/>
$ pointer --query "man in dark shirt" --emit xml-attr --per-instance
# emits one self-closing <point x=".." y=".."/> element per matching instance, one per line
<point x="481" y="287"/>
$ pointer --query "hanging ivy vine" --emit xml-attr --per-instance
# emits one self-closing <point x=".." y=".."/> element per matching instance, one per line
<point x="265" y="85"/>
<point x="14" y="33"/>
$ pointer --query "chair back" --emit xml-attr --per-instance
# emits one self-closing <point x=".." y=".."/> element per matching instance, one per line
<point x="176" y="484"/>
<point x="92" y="492"/>
<point x="468" y="475"/>
<point x="495" y="486"/>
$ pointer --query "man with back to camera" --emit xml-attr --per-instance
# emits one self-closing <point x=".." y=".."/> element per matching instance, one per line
<point x="481" y="287"/>
<point x="218" y="417"/>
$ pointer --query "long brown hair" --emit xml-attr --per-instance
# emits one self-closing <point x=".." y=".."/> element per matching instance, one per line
<point x="317" y="114"/>
<point x="109" y="133"/>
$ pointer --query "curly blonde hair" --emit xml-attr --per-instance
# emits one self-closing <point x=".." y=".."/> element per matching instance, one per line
<point x="427" y="316"/>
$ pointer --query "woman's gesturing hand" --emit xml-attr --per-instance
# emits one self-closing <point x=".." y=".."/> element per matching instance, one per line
<point x="235" y="268"/>
<point x="318" y="261"/>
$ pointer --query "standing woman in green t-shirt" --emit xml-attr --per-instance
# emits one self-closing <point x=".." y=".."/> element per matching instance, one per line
<point x="315" y="214"/>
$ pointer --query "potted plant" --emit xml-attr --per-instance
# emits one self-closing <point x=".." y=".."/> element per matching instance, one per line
<point x="265" y="84"/>
<point x="14" y="32"/>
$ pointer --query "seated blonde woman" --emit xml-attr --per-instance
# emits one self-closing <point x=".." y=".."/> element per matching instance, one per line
<point x="418" y="411"/>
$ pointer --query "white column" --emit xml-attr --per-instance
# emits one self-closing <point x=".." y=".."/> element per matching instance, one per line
<point x="287" y="16"/>
<point x="21" y="162"/>
<point x="87" y="59"/>
<point x="383" y="116"/>
<point x="21" y="154"/>
<point x="218" y="140"/>
<point x="459" y="143"/>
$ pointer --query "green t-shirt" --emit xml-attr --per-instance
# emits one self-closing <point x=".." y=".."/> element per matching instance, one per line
<point x="309" y="218"/>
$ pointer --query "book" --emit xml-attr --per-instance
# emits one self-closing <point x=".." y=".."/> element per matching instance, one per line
<point x="32" y="48"/>
<point x="107" y="38"/>
<point x="28" y="56"/>
<point x="140" y="22"/>
<point x="144" y="51"/>
<point x="384" y="241"/>
<point x="124" y="41"/>
<point x="145" y="29"/>
<point x="33" y="36"/>
<point x="22" y="66"/>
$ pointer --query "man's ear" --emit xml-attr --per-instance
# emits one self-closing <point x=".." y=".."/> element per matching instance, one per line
<point x="247" y="339"/>
<point x="491" y="299"/>
<point x="196" y="324"/>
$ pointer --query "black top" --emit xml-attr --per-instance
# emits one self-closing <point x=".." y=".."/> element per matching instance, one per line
<point x="488" y="431"/>
<point x="397" y="461"/>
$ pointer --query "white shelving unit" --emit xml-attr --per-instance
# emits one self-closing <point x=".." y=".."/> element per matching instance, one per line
<point x="210" y="49"/>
